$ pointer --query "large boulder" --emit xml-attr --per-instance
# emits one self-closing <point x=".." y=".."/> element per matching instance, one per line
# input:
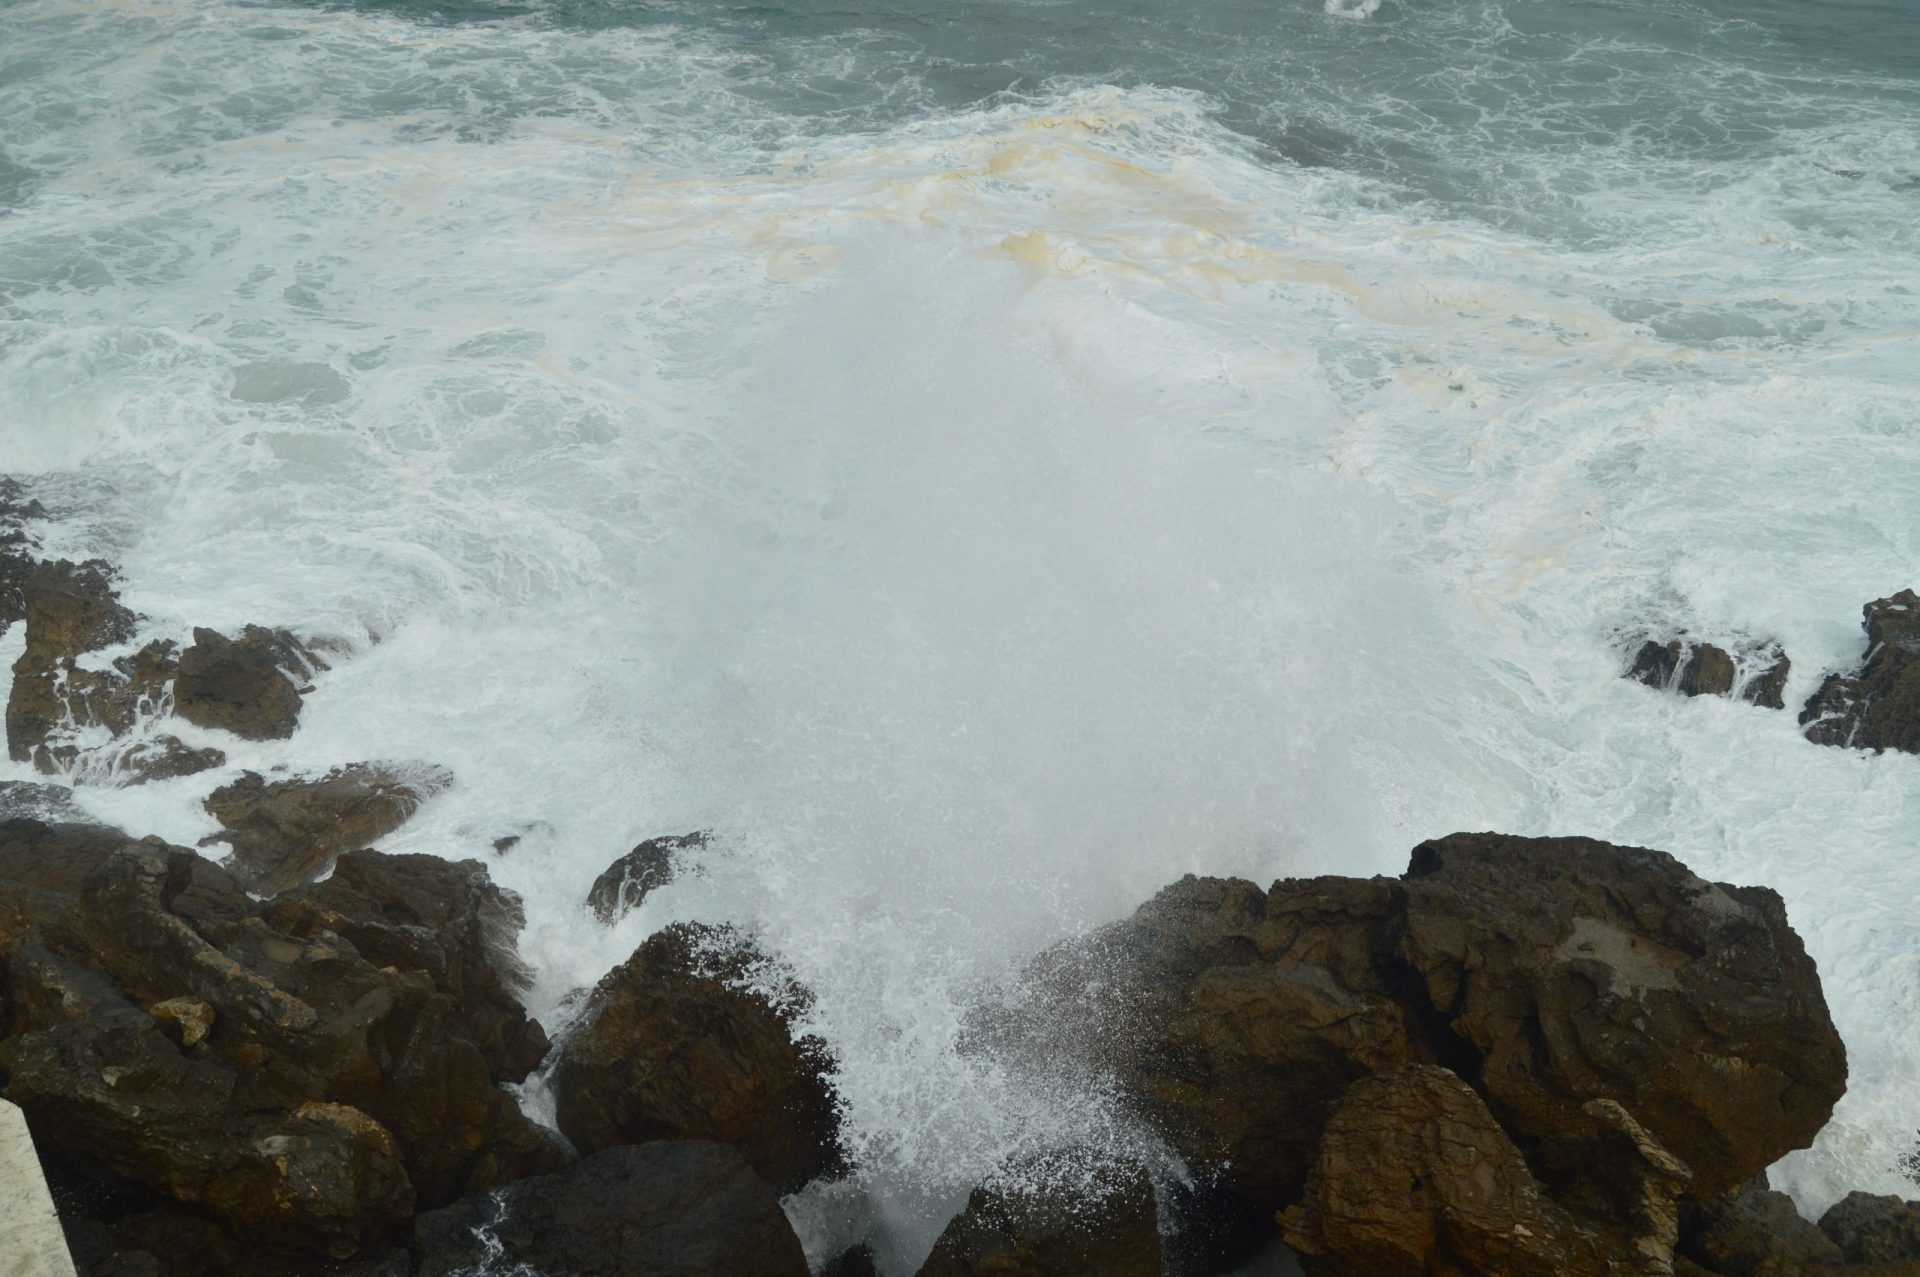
<point x="1414" y="1176"/>
<point x="306" y="1071"/>
<point x="673" y="1044"/>
<point x="629" y="880"/>
<point x="250" y="686"/>
<point x="1706" y="669"/>
<point x="287" y="832"/>
<point x="1075" y="1214"/>
<point x="1551" y="973"/>
<point x="1754" y="1231"/>
<point x="1574" y="970"/>
<point x="669" y="1208"/>
<point x="1878" y="707"/>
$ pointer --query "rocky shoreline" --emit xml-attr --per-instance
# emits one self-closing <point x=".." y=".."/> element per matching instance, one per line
<point x="1522" y="1055"/>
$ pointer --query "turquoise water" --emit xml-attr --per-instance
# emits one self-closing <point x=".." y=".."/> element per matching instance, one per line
<point x="985" y="460"/>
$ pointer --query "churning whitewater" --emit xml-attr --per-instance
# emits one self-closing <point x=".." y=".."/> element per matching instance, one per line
<point x="985" y="460"/>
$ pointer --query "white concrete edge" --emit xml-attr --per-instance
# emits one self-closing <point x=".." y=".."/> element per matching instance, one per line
<point x="31" y="1241"/>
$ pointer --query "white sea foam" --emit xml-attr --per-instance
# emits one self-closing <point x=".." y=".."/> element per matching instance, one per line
<point x="977" y="519"/>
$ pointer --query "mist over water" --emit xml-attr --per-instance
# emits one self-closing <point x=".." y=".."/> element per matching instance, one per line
<point x="987" y="460"/>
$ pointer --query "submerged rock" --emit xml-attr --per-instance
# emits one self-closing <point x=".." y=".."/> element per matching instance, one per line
<point x="1073" y="1215"/>
<point x="287" y="832"/>
<point x="306" y="1071"/>
<point x="1705" y="669"/>
<point x="667" y="1208"/>
<point x="1414" y="1176"/>
<point x="1877" y="708"/>
<point x="674" y="1045"/>
<point x="250" y="686"/>
<point x="630" y="879"/>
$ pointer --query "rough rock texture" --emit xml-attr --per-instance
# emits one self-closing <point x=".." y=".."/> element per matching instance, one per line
<point x="856" y="1261"/>
<point x="306" y="1072"/>
<point x="628" y="880"/>
<point x="287" y="832"/>
<point x="670" y="1208"/>
<point x="1752" y="1231"/>
<point x="17" y="509"/>
<point x="29" y="799"/>
<point x="1415" y="1176"/>
<point x="1704" y="669"/>
<point x="1879" y="707"/>
<point x="1066" y="1216"/>
<point x="671" y="1046"/>
<point x="164" y="757"/>
<point x="250" y="686"/>
<point x="1550" y="974"/>
<point x="1576" y="970"/>
<point x="70" y="610"/>
<point x="1871" y="1229"/>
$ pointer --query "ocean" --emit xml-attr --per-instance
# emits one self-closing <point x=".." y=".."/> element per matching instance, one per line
<point x="986" y="459"/>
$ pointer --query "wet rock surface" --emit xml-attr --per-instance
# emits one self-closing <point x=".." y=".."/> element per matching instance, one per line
<point x="1072" y="1215"/>
<point x="673" y="1045"/>
<point x="630" y="879"/>
<point x="671" y="1208"/>
<point x="1874" y="1229"/>
<point x="1878" y="707"/>
<point x="250" y="686"/>
<point x="286" y="832"/>
<point x="1706" y="669"/>
<point x="303" y="1073"/>
<point x="1414" y="1175"/>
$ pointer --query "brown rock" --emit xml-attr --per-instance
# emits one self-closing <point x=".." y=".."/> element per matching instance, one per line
<point x="304" y="1071"/>
<point x="679" y="1208"/>
<point x="1871" y="1229"/>
<point x="165" y="757"/>
<point x="1704" y="669"/>
<point x="1415" y="1177"/>
<point x="70" y="609"/>
<point x="288" y="832"/>
<point x="629" y="880"/>
<point x="669" y="1048"/>
<point x="1071" y="1215"/>
<point x="250" y="686"/>
<point x="1879" y="707"/>
<point x="1575" y="970"/>
<point x="17" y="509"/>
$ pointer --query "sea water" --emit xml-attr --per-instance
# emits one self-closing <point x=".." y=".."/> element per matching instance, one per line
<point x="985" y="459"/>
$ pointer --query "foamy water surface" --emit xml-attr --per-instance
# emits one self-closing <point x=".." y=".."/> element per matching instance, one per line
<point x="987" y="460"/>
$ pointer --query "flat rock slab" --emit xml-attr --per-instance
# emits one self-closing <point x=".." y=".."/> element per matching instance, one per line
<point x="35" y="1246"/>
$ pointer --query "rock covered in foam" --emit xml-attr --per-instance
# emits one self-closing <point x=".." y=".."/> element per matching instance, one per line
<point x="1878" y="707"/>
<point x="1071" y="1214"/>
<point x="675" y="1043"/>
<point x="629" y="880"/>
<point x="666" y="1208"/>
<point x="287" y="832"/>
<point x="1706" y="669"/>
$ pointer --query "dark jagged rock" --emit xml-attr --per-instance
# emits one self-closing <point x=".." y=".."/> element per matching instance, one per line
<point x="1550" y="974"/>
<point x="670" y="1208"/>
<point x="1575" y="970"/>
<point x="1705" y="669"/>
<point x="250" y="686"/>
<point x="30" y="800"/>
<point x="629" y="880"/>
<point x="166" y="757"/>
<point x="16" y="558"/>
<point x="305" y="1072"/>
<point x="1073" y="1215"/>
<point x="1872" y="1229"/>
<point x="855" y="1261"/>
<point x="1414" y="1176"/>
<point x="1877" y="708"/>
<point x="287" y="832"/>
<point x="671" y="1046"/>
<point x="1754" y="1231"/>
